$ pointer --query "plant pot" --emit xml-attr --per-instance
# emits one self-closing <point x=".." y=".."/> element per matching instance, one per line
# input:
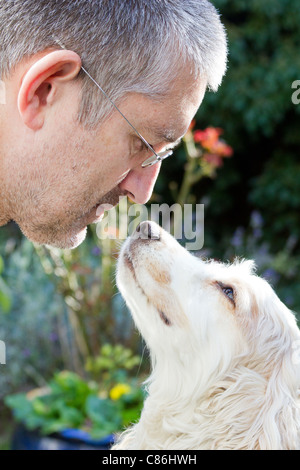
<point x="69" y="439"/>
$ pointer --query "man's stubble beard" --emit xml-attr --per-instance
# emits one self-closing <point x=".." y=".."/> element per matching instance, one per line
<point x="67" y="233"/>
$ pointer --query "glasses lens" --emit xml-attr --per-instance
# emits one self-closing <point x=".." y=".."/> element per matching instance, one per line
<point x="160" y="156"/>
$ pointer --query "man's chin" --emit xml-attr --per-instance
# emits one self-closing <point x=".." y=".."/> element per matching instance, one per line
<point x="63" y="241"/>
<point x="72" y="242"/>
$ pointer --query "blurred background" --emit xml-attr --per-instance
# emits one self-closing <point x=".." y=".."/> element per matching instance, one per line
<point x="60" y="310"/>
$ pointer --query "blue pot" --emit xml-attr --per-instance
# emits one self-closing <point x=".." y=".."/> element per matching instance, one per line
<point x="69" y="439"/>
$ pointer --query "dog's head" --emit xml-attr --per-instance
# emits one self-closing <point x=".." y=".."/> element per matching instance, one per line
<point x="193" y="310"/>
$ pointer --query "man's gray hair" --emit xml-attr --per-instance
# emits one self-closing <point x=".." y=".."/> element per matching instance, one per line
<point x="126" y="45"/>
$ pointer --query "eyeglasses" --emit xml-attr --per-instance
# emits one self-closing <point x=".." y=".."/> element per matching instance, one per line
<point x="156" y="157"/>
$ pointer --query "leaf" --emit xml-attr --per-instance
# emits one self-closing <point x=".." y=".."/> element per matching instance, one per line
<point x="72" y="417"/>
<point x="103" y="412"/>
<point x="99" y="432"/>
<point x="23" y="411"/>
<point x="5" y="302"/>
<point x="5" y="297"/>
<point x="74" y="389"/>
<point x="20" y="406"/>
<point x="52" y="426"/>
<point x="130" y="415"/>
<point x="40" y="408"/>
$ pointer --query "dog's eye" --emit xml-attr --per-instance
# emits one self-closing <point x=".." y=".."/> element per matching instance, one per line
<point x="229" y="292"/>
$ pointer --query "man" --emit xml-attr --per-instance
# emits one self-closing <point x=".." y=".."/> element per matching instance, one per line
<point x="90" y="91"/>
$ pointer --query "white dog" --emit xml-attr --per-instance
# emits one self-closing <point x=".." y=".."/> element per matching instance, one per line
<point x="224" y="350"/>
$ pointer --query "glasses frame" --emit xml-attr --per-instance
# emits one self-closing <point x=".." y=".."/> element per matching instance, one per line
<point x="157" y="156"/>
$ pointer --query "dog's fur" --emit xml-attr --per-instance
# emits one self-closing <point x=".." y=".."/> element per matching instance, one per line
<point x="225" y="372"/>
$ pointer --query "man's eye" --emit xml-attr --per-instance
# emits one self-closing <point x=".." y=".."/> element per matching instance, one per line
<point x="142" y="147"/>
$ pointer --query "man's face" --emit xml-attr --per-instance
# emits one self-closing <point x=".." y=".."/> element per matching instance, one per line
<point x="60" y="175"/>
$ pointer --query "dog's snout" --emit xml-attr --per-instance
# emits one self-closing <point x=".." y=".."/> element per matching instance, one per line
<point x="148" y="231"/>
<point x="144" y="228"/>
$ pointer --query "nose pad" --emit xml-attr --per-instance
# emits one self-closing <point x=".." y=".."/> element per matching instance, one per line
<point x="147" y="231"/>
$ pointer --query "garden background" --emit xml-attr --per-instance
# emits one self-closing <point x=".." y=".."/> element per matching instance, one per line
<point x="58" y="310"/>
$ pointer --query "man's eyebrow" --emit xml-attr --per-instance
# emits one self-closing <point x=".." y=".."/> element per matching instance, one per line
<point x="165" y="135"/>
<point x="174" y="144"/>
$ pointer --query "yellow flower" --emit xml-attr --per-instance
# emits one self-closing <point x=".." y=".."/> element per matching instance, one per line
<point x="118" y="390"/>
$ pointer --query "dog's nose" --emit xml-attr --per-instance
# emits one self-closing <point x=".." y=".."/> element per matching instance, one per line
<point x="148" y="231"/>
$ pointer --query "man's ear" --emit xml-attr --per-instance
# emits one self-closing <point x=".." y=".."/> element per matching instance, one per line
<point x="40" y="83"/>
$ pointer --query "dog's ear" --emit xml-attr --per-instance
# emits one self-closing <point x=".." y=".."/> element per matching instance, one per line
<point x="281" y="411"/>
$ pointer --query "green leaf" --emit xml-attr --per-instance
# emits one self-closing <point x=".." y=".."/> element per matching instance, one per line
<point x="52" y="426"/>
<point x="100" y="431"/>
<point x="19" y="404"/>
<point x="23" y="411"/>
<point x="103" y="412"/>
<point x="74" y="389"/>
<point x="130" y="415"/>
<point x="40" y="408"/>
<point x="5" y="297"/>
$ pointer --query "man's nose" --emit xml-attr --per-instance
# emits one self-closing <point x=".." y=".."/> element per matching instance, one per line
<point x="139" y="183"/>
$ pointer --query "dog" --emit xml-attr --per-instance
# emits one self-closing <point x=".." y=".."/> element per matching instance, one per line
<point x="224" y="351"/>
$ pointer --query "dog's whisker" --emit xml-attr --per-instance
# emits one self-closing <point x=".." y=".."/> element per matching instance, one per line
<point x="141" y="361"/>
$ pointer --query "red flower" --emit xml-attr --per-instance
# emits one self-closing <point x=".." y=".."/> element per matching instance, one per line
<point x="223" y="149"/>
<point x="209" y="140"/>
<point x="208" y="137"/>
<point x="213" y="159"/>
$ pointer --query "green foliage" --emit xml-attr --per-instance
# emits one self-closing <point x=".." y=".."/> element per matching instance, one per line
<point x="35" y="323"/>
<point x="263" y="62"/>
<point x="5" y="293"/>
<point x="110" y="361"/>
<point x="104" y="416"/>
<point x="85" y="280"/>
<point x="69" y="401"/>
<point x="254" y="107"/>
<point x="276" y="193"/>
